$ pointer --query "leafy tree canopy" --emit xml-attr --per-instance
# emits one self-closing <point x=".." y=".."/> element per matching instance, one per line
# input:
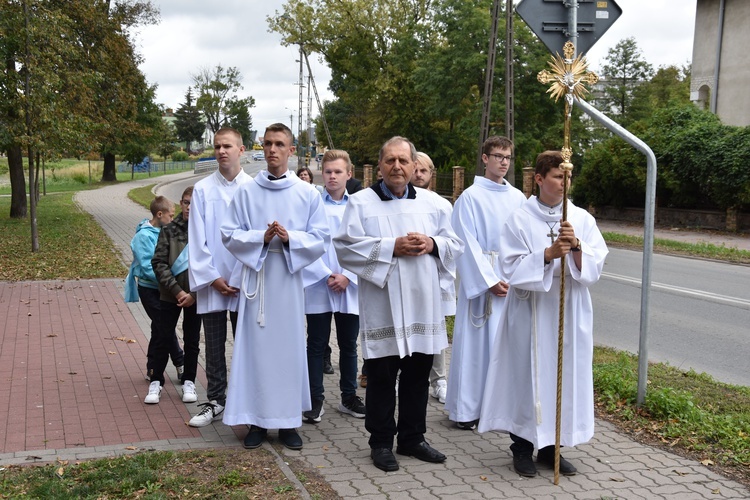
<point x="217" y="96"/>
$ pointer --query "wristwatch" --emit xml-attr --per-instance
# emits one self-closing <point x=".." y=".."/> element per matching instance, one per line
<point x="577" y="248"/>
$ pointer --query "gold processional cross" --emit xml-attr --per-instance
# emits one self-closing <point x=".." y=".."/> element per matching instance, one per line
<point x="567" y="76"/>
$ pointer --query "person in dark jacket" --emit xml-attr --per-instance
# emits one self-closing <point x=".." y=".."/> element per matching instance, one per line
<point x="170" y="265"/>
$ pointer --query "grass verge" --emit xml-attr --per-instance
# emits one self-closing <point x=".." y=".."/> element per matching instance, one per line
<point x="702" y="250"/>
<point x="68" y="176"/>
<point x="71" y="244"/>
<point x="144" y="196"/>
<point x="689" y="413"/>
<point x="225" y="473"/>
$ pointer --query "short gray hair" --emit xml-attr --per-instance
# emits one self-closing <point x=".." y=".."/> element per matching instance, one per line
<point x="395" y="139"/>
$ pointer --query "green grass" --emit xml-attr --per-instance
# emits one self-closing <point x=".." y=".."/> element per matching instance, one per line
<point x="71" y="244"/>
<point x="684" y="410"/>
<point x="703" y="250"/>
<point x="67" y="176"/>
<point x="159" y="474"/>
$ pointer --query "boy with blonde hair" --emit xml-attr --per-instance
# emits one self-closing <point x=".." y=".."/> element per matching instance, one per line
<point x="141" y="282"/>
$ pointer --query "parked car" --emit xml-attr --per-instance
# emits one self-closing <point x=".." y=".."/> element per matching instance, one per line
<point x="259" y="156"/>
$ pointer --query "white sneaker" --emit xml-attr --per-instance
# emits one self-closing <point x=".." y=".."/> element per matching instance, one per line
<point x="154" y="393"/>
<point x="188" y="392"/>
<point x="439" y="390"/>
<point x="207" y="415"/>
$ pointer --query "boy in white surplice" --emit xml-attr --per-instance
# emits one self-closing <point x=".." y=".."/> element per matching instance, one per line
<point x="520" y="392"/>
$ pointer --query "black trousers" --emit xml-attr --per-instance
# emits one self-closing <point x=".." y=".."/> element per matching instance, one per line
<point x="151" y="303"/>
<point x="380" y="402"/>
<point x="169" y="315"/>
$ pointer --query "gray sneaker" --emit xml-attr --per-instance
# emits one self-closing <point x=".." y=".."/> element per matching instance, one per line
<point x="353" y="406"/>
<point x="207" y="415"/>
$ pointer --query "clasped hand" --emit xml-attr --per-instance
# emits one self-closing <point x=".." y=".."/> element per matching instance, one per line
<point x="275" y="229"/>
<point x="337" y="282"/>
<point x="413" y="244"/>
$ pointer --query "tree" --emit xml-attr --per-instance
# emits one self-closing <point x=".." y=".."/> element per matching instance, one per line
<point x="217" y="94"/>
<point x="165" y="140"/>
<point x="670" y="85"/>
<point x="238" y="117"/>
<point x="624" y="71"/>
<point x="83" y="80"/>
<point x="188" y="123"/>
<point x="147" y="128"/>
<point x="416" y="68"/>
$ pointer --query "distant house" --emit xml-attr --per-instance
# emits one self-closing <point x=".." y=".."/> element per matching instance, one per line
<point x="720" y="69"/>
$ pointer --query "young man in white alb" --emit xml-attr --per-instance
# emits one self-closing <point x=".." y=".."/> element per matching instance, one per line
<point x="210" y="265"/>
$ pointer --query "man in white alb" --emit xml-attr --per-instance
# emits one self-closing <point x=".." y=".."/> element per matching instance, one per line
<point x="478" y="216"/>
<point x="398" y="240"/>
<point x="275" y="227"/>
<point x="210" y="265"/>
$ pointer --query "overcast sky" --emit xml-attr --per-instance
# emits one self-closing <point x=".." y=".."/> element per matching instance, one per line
<point x="199" y="33"/>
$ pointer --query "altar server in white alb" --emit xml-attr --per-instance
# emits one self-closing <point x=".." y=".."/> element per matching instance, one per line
<point x="211" y="265"/>
<point x="332" y="294"/>
<point x="398" y="240"/>
<point x="276" y="226"/>
<point x="478" y="216"/>
<point x="520" y="393"/>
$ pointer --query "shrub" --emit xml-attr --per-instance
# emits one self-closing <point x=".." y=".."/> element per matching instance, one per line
<point x="180" y="156"/>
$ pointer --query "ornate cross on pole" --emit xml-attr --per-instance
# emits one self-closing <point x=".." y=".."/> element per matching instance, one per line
<point x="567" y="77"/>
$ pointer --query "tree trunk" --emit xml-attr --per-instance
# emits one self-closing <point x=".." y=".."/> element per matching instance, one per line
<point x="108" y="172"/>
<point x="17" y="182"/>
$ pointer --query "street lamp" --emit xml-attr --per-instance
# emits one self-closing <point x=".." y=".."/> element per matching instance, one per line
<point x="291" y="119"/>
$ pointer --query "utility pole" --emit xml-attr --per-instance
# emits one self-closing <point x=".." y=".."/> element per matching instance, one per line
<point x="320" y="105"/>
<point x="300" y="160"/>
<point x="510" y="126"/>
<point x="489" y="76"/>
<point x="309" y="120"/>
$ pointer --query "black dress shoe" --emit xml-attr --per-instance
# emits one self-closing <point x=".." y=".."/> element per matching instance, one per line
<point x="467" y="426"/>
<point x="422" y="451"/>
<point x="546" y="456"/>
<point x="255" y="437"/>
<point x="327" y="366"/>
<point x="523" y="464"/>
<point x="290" y="439"/>
<point x="383" y="459"/>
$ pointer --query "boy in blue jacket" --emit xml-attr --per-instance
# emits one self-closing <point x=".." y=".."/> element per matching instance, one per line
<point x="141" y="281"/>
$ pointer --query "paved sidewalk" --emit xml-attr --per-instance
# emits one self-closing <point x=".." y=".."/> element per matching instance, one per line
<point x="72" y="359"/>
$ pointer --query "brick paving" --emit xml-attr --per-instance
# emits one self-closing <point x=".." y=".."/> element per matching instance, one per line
<point x="72" y="360"/>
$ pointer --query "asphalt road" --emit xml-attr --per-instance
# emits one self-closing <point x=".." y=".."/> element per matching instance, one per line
<point x="699" y="313"/>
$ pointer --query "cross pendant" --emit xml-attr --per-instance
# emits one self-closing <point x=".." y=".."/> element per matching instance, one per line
<point x="552" y="235"/>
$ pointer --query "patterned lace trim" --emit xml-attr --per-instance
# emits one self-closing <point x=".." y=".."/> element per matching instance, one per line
<point x="371" y="262"/>
<point x="405" y="332"/>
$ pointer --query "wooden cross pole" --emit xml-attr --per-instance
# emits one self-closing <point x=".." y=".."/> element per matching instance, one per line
<point x="567" y="78"/>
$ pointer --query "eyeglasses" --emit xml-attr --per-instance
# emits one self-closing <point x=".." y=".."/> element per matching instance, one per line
<point x="185" y="202"/>
<point x="500" y="157"/>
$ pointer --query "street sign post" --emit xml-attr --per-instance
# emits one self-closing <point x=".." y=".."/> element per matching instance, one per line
<point x="549" y="20"/>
